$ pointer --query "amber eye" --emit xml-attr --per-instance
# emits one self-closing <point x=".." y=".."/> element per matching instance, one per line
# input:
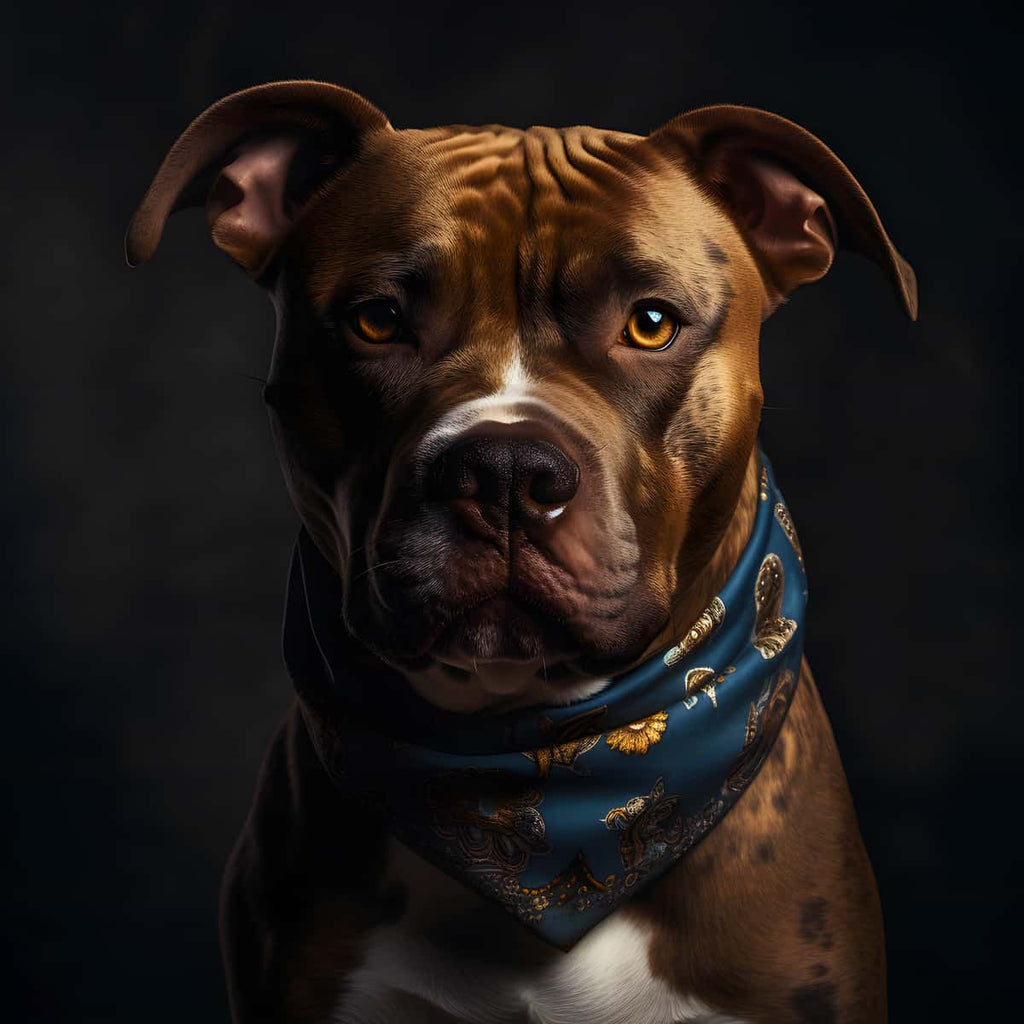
<point x="377" y="321"/>
<point x="649" y="327"/>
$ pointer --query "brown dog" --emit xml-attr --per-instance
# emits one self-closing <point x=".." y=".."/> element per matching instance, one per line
<point x="584" y="307"/>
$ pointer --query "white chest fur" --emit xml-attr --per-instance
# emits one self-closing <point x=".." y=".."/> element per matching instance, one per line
<point x="454" y="956"/>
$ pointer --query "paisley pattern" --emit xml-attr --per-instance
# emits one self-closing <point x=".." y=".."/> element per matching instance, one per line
<point x="574" y="889"/>
<point x="646" y="826"/>
<point x="772" y="631"/>
<point x="710" y="619"/>
<point x="561" y="813"/>
<point x="763" y="724"/>
<point x="500" y="840"/>
<point x="785" y="520"/>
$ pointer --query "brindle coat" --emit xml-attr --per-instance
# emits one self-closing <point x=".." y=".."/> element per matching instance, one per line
<point x="515" y="257"/>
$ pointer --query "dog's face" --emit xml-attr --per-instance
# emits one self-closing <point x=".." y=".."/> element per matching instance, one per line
<point x="520" y="360"/>
<point x="515" y="390"/>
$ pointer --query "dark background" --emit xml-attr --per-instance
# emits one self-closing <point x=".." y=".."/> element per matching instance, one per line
<point x="147" y="533"/>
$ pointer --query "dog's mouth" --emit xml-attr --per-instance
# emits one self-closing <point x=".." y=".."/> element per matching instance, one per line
<point x="500" y="628"/>
<point x="502" y="652"/>
<point x="503" y="630"/>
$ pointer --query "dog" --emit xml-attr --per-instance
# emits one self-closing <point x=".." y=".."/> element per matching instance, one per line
<point x="515" y="394"/>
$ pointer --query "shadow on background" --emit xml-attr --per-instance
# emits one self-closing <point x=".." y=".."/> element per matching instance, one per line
<point x="148" y="531"/>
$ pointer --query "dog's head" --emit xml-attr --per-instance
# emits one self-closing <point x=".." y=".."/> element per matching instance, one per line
<point x="515" y="389"/>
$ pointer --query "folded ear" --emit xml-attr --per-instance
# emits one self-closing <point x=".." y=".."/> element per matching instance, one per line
<point x="791" y="196"/>
<point x="254" y="159"/>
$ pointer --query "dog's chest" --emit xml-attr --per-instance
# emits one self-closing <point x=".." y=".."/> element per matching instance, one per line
<point x="462" y="956"/>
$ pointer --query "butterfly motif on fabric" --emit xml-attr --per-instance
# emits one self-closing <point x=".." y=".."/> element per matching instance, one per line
<point x="566" y="741"/>
<point x="772" y="631"/>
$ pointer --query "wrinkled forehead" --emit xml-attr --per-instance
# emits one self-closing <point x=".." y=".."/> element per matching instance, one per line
<point x="542" y="209"/>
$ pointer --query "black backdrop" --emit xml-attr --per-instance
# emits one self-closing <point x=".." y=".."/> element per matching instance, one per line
<point x="146" y="530"/>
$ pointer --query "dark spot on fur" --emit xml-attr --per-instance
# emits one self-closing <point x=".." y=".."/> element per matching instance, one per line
<point x="812" y="919"/>
<point x="819" y="970"/>
<point x="813" y="923"/>
<point x="715" y="252"/>
<point x="700" y="866"/>
<point x="815" y="1003"/>
<point x="765" y="851"/>
<point x="780" y="801"/>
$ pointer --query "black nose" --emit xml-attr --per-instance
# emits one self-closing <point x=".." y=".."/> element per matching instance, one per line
<point x="522" y="479"/>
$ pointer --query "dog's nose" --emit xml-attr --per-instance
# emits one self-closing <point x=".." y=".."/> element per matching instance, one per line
<point x="525" y="480"/>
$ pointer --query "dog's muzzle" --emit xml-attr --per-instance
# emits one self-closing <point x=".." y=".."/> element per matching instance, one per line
<point x="502" y="540"/>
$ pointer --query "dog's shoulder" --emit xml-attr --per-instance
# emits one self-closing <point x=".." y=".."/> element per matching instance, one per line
<point x="302" y="888"/>
<point x="776" y="908"/>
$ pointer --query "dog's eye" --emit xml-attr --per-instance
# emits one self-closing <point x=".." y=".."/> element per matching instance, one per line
<point x="377" y="321"/>
<point x="651" y="328"/>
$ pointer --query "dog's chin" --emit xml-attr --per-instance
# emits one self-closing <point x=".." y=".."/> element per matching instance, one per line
<point x="502" y="628"/>
<point x="499" y="655"/>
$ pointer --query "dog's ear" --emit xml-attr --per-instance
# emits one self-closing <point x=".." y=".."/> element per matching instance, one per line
<point x="254" y="159"/>
<point x="791" y="196"/>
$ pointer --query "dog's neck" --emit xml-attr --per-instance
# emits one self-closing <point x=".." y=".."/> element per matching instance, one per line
<point x="693" y="599"/>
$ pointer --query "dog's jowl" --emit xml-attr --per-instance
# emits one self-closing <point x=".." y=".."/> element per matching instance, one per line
<point x="556" y="755"/>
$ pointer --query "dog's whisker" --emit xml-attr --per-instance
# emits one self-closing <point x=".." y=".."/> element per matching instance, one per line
<point x="374" y="567"/>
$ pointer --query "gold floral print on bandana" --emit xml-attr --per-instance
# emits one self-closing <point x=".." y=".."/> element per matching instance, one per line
<point x="639" y="737"/>
<point x="764" y="483"/>
<point x="785" y="520"/>
<point x="567" y="741"/>
<point x="710" y="619"/>
<point x="772" y="631"/>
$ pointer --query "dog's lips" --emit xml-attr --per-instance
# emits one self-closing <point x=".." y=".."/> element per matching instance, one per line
<point x="502" y="629"/>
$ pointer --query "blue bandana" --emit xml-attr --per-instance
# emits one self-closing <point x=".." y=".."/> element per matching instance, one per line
<point x="561" y="813"/>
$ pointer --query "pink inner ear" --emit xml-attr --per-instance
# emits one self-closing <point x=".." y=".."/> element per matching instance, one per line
<point x="246" y="209"/>
<point x="788" y="223"/>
